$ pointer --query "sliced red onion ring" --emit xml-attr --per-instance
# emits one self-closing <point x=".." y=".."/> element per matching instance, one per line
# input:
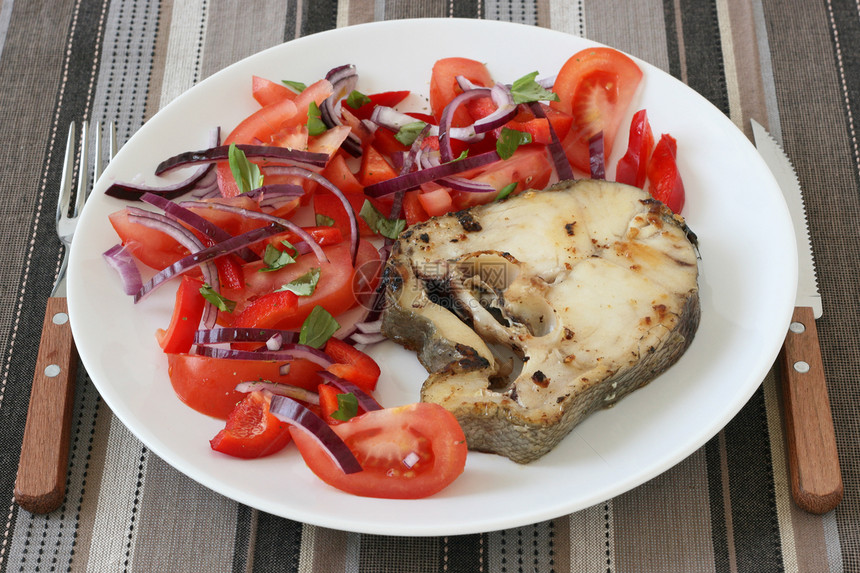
<point x="187" y="239"/>
<point x="290" y="411"/>
<point x="278" y="389"/>
<point x="227" y="334"/>
<point x="371" y="327"/>
<point x="208" y="254"/>
<point x="121" y="260"/>
<point x="467" y="186"/>
<point x="416" y="178"/>
<point x="220" y="153"/>
<point x="322" y="181"/>
<point x="366" y="339"/>
<point x="285" y="223"/>
<point x="365" y="400"/>
<point x="596" y="160"/>
<point x="292" y="351"/>
<point x="211" y="230"/>
<point x="556" y="151"/>
<point x="199" y="177"/>
<point x="506" y="110"/>
<point x="343" y="80"/>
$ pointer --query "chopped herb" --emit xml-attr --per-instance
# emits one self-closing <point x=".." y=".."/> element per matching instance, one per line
<point x="509" y="140"/>
<point x="389" y="228"/>
<point x="526" y="90"/>
<point x="246" y="174"/>
<point x="463" y="155"/>
<point x="276" y="259"/>
<point x="305" y="284"/>
<point x="347" y="407"/>
<point x="318" y="328"/>
<point x="324" y="220"/>
<point x="356" y="99"/>
<point x="316" y="126"/>
<point x="505" y="191"/>
<point x="409" y="132"/>
<point x="296" y="86"/>
<point x="223" y="304"/>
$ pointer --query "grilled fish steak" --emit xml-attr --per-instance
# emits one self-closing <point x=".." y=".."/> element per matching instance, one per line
<point x="531" y="313"/>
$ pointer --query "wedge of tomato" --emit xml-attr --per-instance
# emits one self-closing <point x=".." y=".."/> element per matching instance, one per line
<point x="252" y="431"/>
<point x="208" y="385"/>
<point x="595" y="86"/>
<point x="444" y="86"/>
<point x="408" y="452"/>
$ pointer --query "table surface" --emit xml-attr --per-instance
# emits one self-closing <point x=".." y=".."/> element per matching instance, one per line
<point x="790" y="65"/>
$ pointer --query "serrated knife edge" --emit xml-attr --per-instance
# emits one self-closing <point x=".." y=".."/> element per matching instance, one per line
<point x="783" y="171"/>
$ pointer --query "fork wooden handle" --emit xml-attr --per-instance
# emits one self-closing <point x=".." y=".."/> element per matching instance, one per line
<point x="813" y="461"/>
<point x="41" y="483"/>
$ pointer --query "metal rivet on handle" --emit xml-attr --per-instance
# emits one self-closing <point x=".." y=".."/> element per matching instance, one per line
<point x="801" y="366"/>
<point x="797" y="327"/>
<point x="60" y="318"/>
<point x="52" y="370"/>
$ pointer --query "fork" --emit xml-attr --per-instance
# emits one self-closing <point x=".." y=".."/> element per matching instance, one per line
<point x="40" y="486"/>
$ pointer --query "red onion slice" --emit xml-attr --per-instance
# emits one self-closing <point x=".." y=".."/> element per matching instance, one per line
<point x="414" y="179"/>
<point x="285" y="223"/>
<point x="220" y="153"/>
<point x="596" y="160"/>
<point x="227" y="334"/>
<point x="278" y="389"/>
<point x="290" y="411"/>
<point x="292" y="351"/>
<point x="121" y="260"/>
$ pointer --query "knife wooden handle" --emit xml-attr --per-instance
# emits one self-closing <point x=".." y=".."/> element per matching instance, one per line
<point x="41" y="483"/>
<point x="813" y="461"/>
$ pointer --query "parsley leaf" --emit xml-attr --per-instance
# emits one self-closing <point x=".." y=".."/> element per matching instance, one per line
<point x="509" y="140"/>
<point x="409" y="132"/>
<point x="223" y="304"/>
<point x="297" y="86"/>
<point x="347" y="407"/>
<point x="505" y="191"/>
<point x="318" y="328"/>
<point x="356" y="99"/>
<point x="276" y="259"/>
<point x="316" y="126"/>
<point x="526" y="90"/>
<point x="305" y="284"/>
<point x="246" y="174"/>
<point x="389" y="228"/>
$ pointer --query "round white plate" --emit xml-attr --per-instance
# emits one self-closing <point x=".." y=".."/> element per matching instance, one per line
<point x="748" y="278"/>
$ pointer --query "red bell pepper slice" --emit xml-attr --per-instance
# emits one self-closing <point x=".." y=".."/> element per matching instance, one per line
<point x="352" y="364"/>
<point x="187" y="312"/>
<point x="268" y="311"/>
<point x="632" y="168"/>
<point x="663" y="174"/>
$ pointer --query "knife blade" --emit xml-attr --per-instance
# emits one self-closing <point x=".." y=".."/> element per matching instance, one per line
<point x="813" y="460"/>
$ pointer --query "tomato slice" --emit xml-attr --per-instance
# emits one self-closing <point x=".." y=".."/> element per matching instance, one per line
<point x="529" y="167"/>
<point x="444" y="86"/>
<point x="387" y="99"/>
<point x="338" y="173"/>
<point x="251" y="430"/>
<point x="187" y="312"/>
<point x="327" y="204"/>
<point x="335" y="290"/>
<point x="408" y="452"/>
<point x="663" y="174"/>
<point x="595" y="86"/>
<point x="352" y="364"/>
<point x="208" y="385"/>
<point x="413" y="212"/>
<point x="374" y="167"/>
<point x="267" y="92"/>
<point x="436" y="202"/>
<point x="632" y="168"/>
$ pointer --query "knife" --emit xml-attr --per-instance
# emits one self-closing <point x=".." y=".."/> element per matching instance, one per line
<point x="813" y="461"/>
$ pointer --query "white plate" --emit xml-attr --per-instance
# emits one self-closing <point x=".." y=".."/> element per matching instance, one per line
<point x="748" y="278"/>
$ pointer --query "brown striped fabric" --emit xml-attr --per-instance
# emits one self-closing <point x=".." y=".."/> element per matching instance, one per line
<point x="792" y="65"/>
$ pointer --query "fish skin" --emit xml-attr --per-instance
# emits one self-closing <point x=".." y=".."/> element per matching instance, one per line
<point x="577" y="344"/>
